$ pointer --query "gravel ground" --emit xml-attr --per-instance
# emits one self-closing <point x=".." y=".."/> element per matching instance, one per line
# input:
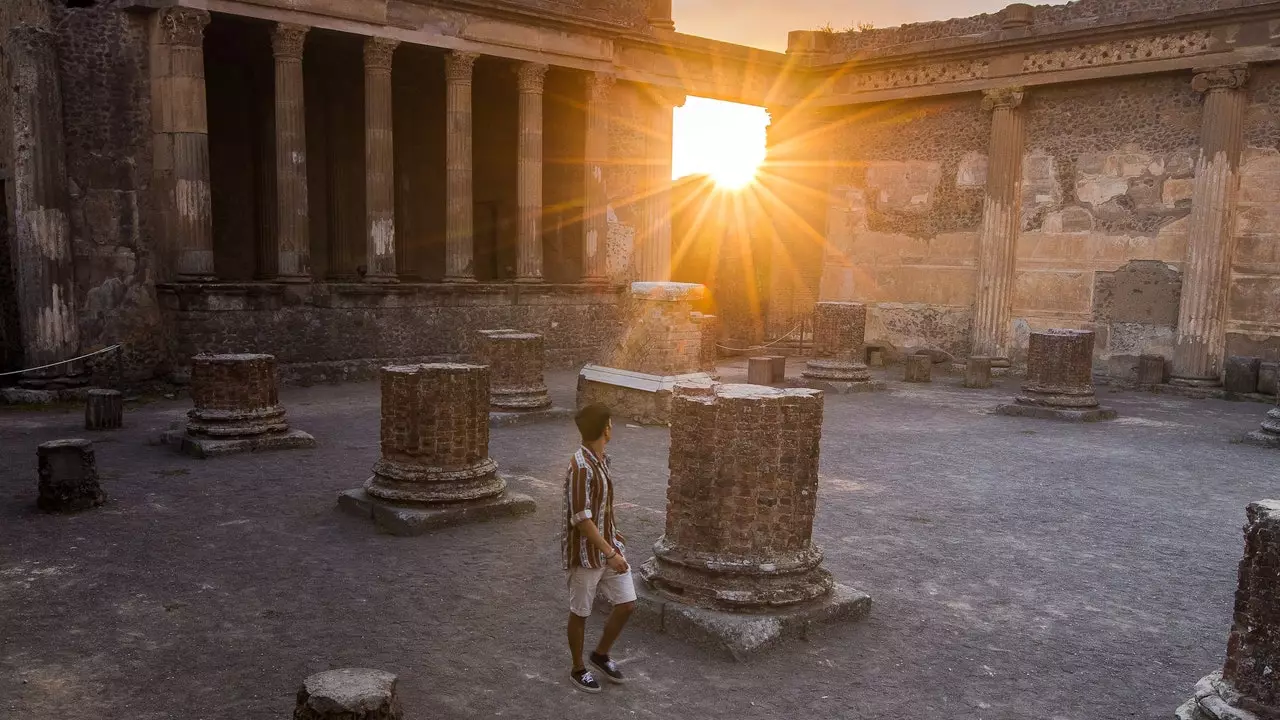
<point x="1020" y="569"/>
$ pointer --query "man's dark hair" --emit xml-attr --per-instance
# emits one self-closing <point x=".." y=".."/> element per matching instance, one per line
<point x="592" y="420"/>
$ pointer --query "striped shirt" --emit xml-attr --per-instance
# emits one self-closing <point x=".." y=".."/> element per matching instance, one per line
<point x="588" y="495"/>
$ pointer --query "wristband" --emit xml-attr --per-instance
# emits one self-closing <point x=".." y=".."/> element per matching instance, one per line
<point x="610" y="557"/>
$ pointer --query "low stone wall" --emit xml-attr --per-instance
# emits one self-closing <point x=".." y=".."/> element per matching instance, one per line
<point x="346" y="331"/>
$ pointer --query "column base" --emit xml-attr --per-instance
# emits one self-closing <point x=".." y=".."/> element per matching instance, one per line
<point x="1269" y="435"/>
<point x="463" y="279"/>
<point x="1214" y="699"/>
<point x="1096" y="414"/>
<point x="408" y="519"/>
<point x="207" y="447"/>
<point x="743" y="635"/>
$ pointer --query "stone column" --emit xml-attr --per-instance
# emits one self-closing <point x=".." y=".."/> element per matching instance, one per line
<point x="739" y="528"/>
<point x="1001" y="221"/>
<point x="435" y="467"/>
<point x="41" y="252"/>
<point x="595" y="221"/>
<point x="1202" y="311"/>
<point x="293" y="243"/>
<point x="515" y="361"/>
<point x="1059" y="382"/>
<point x="181" y="139"/>
<point x="839" y="331"/>
<point x="1248" y="687"/>
<point x="379" y="161"/>
<point x="237" y="408"/>
<point x="459" y="259"/>
<point x="653" y="249"/>
<point x="531" y="77"/>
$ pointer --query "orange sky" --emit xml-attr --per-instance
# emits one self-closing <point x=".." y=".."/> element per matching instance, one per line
<point x="764" y="23"/>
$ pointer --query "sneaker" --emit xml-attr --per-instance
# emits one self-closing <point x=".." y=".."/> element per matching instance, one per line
<point x="608" y="667"/>
<point x="585" y="681"/>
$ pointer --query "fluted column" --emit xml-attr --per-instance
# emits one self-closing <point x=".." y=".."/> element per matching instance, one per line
<point x="531" y="78"/>
<point x="180" y="127"/>
<point x="292" y="214"/>
<point x="595" y="221"/>
<point x="1001" y="220"/>
<point x="43" y="263"/>
<point x="653" y="247"/>
<point x="1206" y="279"/>
<point x="459" y="259"/>
<point x="379" y="156"/>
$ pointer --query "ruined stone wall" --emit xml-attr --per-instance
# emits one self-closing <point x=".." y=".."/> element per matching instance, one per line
<point x="906" y="206"/>
<point x="345" y="331"/>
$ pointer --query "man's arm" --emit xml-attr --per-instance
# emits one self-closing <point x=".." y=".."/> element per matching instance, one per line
<point x="584" y="522"/>
<point x="615" y="559"/>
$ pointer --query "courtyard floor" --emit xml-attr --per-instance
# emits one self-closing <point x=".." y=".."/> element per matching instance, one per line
<point x="1020" y="569"/>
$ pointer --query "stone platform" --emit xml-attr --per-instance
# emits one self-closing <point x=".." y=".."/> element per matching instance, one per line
<point x="1097" y="414"/>
<point x="207" y="447"/>
<point x="408" y="519"/>
<point x="742" y="635"/>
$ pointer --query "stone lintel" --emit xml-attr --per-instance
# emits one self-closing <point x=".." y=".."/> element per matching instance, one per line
<point x="743" y="635"/>
<point x="405" y="519"/>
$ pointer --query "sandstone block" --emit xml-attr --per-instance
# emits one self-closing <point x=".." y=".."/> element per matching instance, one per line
<point x="1151" y="369"/>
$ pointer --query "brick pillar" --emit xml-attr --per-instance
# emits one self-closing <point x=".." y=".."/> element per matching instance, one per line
<point x="459" y="221"/>
<point x="1059" y="378"/>
<point x="515" y="361"/>
<point x="839" y="331"/>
<point x="379" y="166"/>
<point x="1202" y="310"/>
<point x="595" y="221"/>
<point x="435" y="435"/>
<point x="43" y="262"/>
<point x="653" y="241"/>
<point x="739" y="533"/>
<point x="530" y="78"/>
<point x="237" y="408"/>
<point x="1248" y="687"/>
<point x="180" y="129"/>
<point x="1001" y="221"/>
<point x="293" y="243"/>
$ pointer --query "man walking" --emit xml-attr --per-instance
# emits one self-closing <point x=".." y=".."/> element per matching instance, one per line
<point x="594" y="549"/>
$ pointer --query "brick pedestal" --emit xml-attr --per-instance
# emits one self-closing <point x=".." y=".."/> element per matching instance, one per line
<point x="660" y="345"/>
<point x="237" y="408"/>
<point x="435" y="468"/>
<point x="1248" y="687"/>
<point x="977" y="372"/>
<point x="68" y="476"/>
<point x="839" y="329"/>
<point x="515" y="361"/>
<point x="1059" y="382"/>
<point x="348" y="694"/>
<point x="1269" y="434"/>
<point x="737" y="564"/>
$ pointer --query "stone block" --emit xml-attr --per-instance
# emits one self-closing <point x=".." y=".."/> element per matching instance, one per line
<point x="977" y="372"/>
<point x="103" y="410"/>
<point x="408" y="520"/>
<point x="918" y="369"/>
<point x="1151" y="370"/>
<point x="638" y="397"/>
<point x="760" y="370"/>
<point x="68" y="476"/>
<point x="1269" y="378"/>
<point x="875" y="356"/>
<point x="778" y="368"/>
<point x="348" y="694"/>
<point x="1241" y="374"/>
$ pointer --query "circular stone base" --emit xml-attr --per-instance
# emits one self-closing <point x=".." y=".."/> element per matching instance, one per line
<point x="1063" y="399"/>
<point x="402" y="482"/>
<point x="733" y="584"/>
<point x="522" y="399"/>
<point x="1052" y="413"/>
<point x="836" y="370"/>
<point x="237" y="423"/>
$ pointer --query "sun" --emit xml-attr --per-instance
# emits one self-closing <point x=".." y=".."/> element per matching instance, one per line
<point x="721" y="139"/>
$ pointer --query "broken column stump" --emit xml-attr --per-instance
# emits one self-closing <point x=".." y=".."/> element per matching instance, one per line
<point x="1150" y="370"/>
<point x="918" y="368"/>
<point x="68" y="476"/>
<point x="1269" y="434"/>
<point x="1059" y="382"/>
<point x="237" y="408"/>
<point x="1248" y="686"/>
<point x="977" y="372"/>
<point x="435" y="468"/>
<point x="760" y="370"/>
<point x="517" y="389"/>
<point x="839" y="330"/>
<point x="348" y="694"/>
<point x="737" y="567"/>
<point x="103" y="410"/>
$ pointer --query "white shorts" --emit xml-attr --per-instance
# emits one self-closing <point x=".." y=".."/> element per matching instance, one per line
<point x="584" y="582"/>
